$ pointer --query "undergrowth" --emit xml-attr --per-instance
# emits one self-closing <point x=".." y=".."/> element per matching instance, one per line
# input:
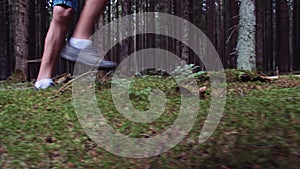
<point x="260" y="128"/>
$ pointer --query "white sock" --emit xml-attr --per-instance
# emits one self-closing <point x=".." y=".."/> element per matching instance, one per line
<point x="80" y="43"/>
<point x="43" y="84"/>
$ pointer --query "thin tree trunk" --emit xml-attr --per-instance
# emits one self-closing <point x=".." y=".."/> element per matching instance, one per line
<point x="296" y="35"/>
<point x="178" y="10"/>
<point x="260" y="18"/>
<point x="151" y="37"/>
<point x="127" y="43"/>
<point x="210" y="29"/>
<point x="233" y="36"/>
<point x="211" y="21"/>
<point x="268" y="36"/>
<point x="221" y="32"/>
<point x="228" y="33"/>
<point x="117" y="58"/>
<point x="185" y="54"/>
<point x="282" y="34"/>
<point x="4" y="42"/>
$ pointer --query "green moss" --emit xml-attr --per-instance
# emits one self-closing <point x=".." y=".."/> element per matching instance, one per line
<point x="259" y="129"/>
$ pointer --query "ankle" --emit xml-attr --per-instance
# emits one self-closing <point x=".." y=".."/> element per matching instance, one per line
<point x="43" y="84"/>
<point x="80" y="43"/>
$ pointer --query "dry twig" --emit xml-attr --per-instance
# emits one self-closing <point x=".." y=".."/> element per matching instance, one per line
<point x="67" y="85"/>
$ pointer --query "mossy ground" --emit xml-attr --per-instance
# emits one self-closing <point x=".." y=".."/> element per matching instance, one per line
<point x="260" y="129"/>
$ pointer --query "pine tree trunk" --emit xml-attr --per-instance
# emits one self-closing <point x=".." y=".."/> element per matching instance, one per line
<point x="246" y="38"/>
<point x="260" y="19"/>
<point x="185" y="53"/>
<point x="211" y="29"/>
<point x="151" y="37"/>
<point x="21" y="38"/>
<point x="227" y="33"/>
<point x="233" y="35"/>
<point x="268" y="36"/>
<point x="211" y="21"/>
<point x="221" y="32"/>
<point x="127" y="44"/>
<point x="296" y="35"/>
<point x="178" y="10"/>
<point x="4" y="42"/>
<point x="126" y="10"/>
<point x="38" y="23"/>
<point x="282" y="34"/>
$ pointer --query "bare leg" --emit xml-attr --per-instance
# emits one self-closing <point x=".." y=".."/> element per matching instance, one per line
<point x="89" y="16"/>
<point x="54" y="41"/>
<point x="83" y="31"/>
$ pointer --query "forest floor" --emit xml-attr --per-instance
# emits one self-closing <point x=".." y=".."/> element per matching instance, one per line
<point x="260" y="127"/>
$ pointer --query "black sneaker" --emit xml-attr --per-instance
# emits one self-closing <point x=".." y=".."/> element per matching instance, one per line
<point x="88" y="56"/>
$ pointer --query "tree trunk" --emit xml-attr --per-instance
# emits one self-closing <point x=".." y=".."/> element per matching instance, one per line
<point x="231" y="40"/>
<point x="211" y="29"/>
<point x="4" y="42"/>
<point x="38" y="24"/>
<point x="126" y="10"/>
<point x="268" y="36"/>
<point x="282" y="34"/>
<point x="21" y="50"/>
<point x="221" y="32"/>
<point x="127" y="44"/>
<point x="151" y="37"/>
<point x="246" y="38"/>
<point x="185" y="53"/>
<point x="211" y="21"/>
<point x="296" y="35"/>
<point x="178" y="11"/>
<point x="260" y="19"/>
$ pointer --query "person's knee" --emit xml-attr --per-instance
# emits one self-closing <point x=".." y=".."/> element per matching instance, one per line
<point x="62" y="15"/>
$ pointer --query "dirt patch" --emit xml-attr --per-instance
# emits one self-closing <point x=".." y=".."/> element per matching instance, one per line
<point x="287" y="82"/>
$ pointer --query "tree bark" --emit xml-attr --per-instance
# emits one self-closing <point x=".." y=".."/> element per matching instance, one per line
<point x="211" y="21"/>
<point x="268" y="59"/>
<point x="21" y="49"/>
<point x="296" y="35"/>
<point x="221" y="32"/>
<point x="185" y="53"/>
<point x="246" y="38"/>
<point x="260" y="19"/>
<point x="127" y="44"/>
<point x="4" y="42"/>
<point x="38" y="24"/>
<point x="178" y="12"/>
<point x="282" y="35"/>
<point x="231" y="40"/>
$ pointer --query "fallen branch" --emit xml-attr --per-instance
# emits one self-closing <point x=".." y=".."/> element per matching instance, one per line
<point x="66" y="86"/>
<point x="60" y="76"/>
<point x="277" y="77"/>
<point x="73" y="80"/>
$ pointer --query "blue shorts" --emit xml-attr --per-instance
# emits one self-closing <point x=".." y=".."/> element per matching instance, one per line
<point x="70" y="3"/>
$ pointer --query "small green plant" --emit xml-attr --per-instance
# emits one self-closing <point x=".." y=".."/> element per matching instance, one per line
<point x="187" y="71"/>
